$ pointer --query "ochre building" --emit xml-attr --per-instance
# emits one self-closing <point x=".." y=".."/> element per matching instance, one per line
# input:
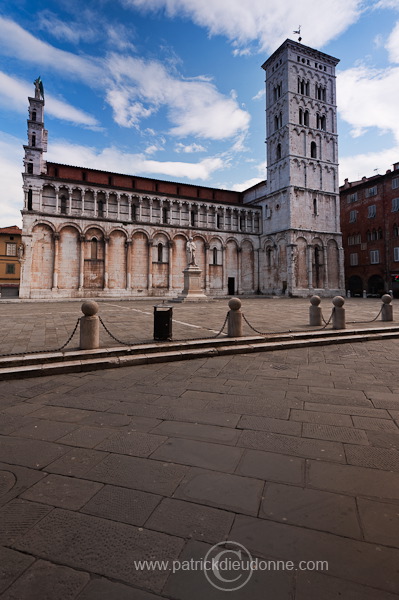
<point x="90" y="233"/>
<point x="10" y="251"/>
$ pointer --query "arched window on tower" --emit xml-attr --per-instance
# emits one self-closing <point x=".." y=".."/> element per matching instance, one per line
<point x="33" y="115"/>
<point x="134" y="212"/>
<point x="278" y="152"/>
<point x="63" y="205"/>
<point x="313" y="150"/>
<point x="306" y="118"/>
<point x="94" y="249"/>
<point x="300" y="118"/>
<point x="33" y="139"/>
<point x="100" y="208"/>
<point x="30" y="201"/>
<point x="275" y="123"/>
<point x="160" y="252"/>
<point x="215" y="256"/>
<point x="315" y="207"/>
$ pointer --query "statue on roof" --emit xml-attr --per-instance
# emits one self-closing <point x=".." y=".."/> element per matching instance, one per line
<point x="39" y="90"/>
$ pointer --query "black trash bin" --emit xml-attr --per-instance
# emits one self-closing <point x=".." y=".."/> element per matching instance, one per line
<point x="163" y="316"/>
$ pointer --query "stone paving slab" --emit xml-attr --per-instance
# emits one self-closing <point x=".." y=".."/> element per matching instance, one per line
<point x="354" y="560"/>
<point x="93" y="544"/>
<point x="12" y="565"/>
<point x="222" y="490"/>
<point x="14" y="480"/>
<point x="188" y="520"/>
<point x="29" y="453"/>
<point x="123" y="505"/>
<point x="64" y="492"/>
<point x="323" y="587"/>
<point x="45" y="581"/>
<point x="137" y="473"/>
<point x="184" y="585"/>
<point x="313" y="509"/>
<point x="272" y="467"/>
<point x="18" y="516"/>
<point x="334" y="433"/>
<point x="199" y="454"/>
<point x="353" y="480"/>
<point x="284" y="444"/>
<point x="196" y="431"/>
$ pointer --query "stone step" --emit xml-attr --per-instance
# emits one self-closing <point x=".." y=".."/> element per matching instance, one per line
<point x="40" y="364"/>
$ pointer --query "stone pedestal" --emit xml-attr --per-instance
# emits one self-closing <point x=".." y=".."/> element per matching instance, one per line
<point x="192" y="285"/>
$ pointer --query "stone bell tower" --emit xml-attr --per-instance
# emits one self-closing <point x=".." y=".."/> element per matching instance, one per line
<point x="37" y="135"/>
<point x="301" y="209"/>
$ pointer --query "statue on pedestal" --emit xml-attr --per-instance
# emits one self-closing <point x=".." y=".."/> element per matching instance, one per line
<point x="191" y="249"/>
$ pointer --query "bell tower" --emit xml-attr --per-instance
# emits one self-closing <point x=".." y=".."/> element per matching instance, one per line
<point x="37" y="135"/>
<point x="301" y="205"/>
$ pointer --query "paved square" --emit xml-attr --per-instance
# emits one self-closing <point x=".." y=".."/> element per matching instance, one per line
<point x="293" y="453"/>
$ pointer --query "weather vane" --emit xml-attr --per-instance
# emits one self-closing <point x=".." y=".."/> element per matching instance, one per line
<point x="298" y="31"/>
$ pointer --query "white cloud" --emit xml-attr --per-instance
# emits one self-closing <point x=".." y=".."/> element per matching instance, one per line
<point x="195" y="107"/>
<point x="261" y="94"/>
<point x="392" y="44"/>
<point x="245" y="185"/>
<point x="189" y="148"/>
<point x="113" y="159"/>
<point x="73" y="31"/>
<point x="368" y="98"/>
<point x="18" y="43"/>
<point x="135" y="88"/>
<point x="14" y="93"/>
<point x="11" y="198"/>
<point x="368" y="164"/>
<point x="260" y="21"/>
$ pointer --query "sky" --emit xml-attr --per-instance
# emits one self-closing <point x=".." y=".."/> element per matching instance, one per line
<point x="173" y="89"/>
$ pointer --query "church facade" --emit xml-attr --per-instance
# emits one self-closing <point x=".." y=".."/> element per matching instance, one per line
<point x="91" y="233"/>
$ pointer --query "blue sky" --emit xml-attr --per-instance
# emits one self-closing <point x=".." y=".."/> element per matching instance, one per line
<point x="174" y="89"/>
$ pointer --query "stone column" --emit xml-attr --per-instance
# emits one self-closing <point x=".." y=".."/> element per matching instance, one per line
<point x="256" y="270"/>
<point x="57" y="201"/>
<point x="170" y="267"/>
<point x="224" y="288"/>
<point x="149" y="281"/>
<point x="118" y="206"/>
<point x="140" y="209"/>
<point x="224" y="218"/>
<point x="291" y="283"/>
<point x="239" y="261"/>
<point x="206" y="217"/>
<point x="106" y="194"/>
<point x="206" y="250"/>
<point x="325" y="270"/>
<point x="69" y="202"/>
<point x="128" y="247"/>
<point x="180" y="207"/>
<point x="106" y="242"/>
<point x="150" y="202"/>
<point x="83" y="197"/>
<point x="95" y="203"/>
<point x="81" y="261"/>
<point x="56" y="238"/>
<point x="310" y="266"/>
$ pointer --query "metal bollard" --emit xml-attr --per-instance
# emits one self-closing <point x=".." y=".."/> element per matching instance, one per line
<point x="387" y="308"/>
<point x="315" y="311"/>
<point x="338" y="318"/>
<point x="89" y="326"/>
<point x="234" y="320"/>
<point x="364" y="294"/>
